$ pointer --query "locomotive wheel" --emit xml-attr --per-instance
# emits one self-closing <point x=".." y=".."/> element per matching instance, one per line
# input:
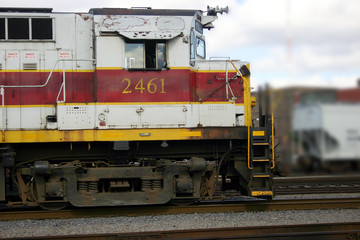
<point x="53" y="206"/>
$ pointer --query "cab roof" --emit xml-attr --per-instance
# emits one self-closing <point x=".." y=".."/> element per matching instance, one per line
<point x="142" y="11"/>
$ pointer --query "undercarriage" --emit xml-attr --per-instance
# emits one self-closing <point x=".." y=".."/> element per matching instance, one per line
<point x="55" y="175"/>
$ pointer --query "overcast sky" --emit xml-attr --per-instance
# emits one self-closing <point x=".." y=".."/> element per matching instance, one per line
<point x="287" y="42"/>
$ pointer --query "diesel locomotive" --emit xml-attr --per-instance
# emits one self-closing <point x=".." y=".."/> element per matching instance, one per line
<point x="123" y="107"/>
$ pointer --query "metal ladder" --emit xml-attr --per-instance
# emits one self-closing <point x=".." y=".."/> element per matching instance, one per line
<point x="261" y="161"/>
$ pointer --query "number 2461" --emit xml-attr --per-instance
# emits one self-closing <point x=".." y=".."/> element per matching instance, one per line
<point x="153" y="86"/>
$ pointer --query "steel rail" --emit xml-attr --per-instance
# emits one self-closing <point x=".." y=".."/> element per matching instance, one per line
<point x="260" y="205"/>
<point x="317" y="184"/>
<point x="334" y="179"/>
<point x="316" y="190"/>
<point x="304" y="231"/>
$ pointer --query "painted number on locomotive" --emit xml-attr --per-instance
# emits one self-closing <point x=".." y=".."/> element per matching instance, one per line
<point x="153" y="86"/>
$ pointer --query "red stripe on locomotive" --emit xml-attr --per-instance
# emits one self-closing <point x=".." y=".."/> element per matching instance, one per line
<point x="176" y="85"/>
<point x="79" y="87"/>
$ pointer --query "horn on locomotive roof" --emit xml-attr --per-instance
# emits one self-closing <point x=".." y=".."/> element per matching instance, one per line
<point x="213" y="11"/>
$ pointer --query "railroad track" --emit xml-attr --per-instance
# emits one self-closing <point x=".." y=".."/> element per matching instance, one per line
<point x="298" y="204"/>
<point x="307" y="231"/>
<point x="317" y="184"/>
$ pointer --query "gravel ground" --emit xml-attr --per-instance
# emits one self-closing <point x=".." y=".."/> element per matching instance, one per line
<point x="33" y="228"/>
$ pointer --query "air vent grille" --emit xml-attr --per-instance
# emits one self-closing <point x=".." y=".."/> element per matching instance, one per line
<point x="29" y="66"/>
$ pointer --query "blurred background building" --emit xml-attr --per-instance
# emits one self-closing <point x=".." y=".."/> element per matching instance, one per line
<point x="317" y="128"/>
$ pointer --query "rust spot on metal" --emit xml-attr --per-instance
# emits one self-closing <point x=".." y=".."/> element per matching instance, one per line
<point x="222" y="133"/>
<point x="85" y="18"/>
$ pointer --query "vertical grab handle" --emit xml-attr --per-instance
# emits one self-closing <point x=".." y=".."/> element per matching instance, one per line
<point x="272" y="141"/>
<point x="247" y="106"/>
<point x="249" y="146"/>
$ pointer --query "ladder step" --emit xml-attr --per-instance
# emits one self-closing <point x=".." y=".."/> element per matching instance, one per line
<point x="261" y="160"/>
<point x="261" y="175"/>
<point x="258" y="133"/>
<point x="260" y="144"/>
<point x="261" y="193"/>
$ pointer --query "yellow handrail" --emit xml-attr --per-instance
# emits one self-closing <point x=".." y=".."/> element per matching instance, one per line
<point x="247" y="106"/>
<point x="247" y="96"/>
<point x="248" y="158"/>
<point x="272" y="141"/>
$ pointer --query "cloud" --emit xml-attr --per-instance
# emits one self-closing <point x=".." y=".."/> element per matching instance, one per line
<point x="325" y="59"/>
<point x="335" y="81"/>
<point x="314" y="40"/>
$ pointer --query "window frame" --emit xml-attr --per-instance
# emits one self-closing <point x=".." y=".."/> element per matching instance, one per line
<point x="192" y="45"/>
<point x="32" y="26"/>
<point x="143" y="55"/>
<point x="145" y="43"/>
<point x="157" y="55"/>
<point x="30" y="23"/>
<point x="197" y="45"/>
<point x="5" y="29"/>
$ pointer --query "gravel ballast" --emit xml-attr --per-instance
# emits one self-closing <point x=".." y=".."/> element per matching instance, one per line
<point x="52" y="227"/>
<point x="33" y="228"/>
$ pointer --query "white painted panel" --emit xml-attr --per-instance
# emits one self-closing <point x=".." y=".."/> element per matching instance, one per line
<point x="110" y="52"/>
<point x="141" y="26"/>
<point x="84" y="40"/>
<point x="217" y="115"/>
<point x="52" y="56"/>
<point x="118" y="116"/>
<point x="65" y="23"/>
<point x="44" y="112"/>
<point x="163" y="116"/>
<point x="72" y="117"/>
<point x="12" y="59"/>
<point x="178" y="53"/>
<point x="2" y="59"/>
<point x="170" y="23"/>
<point x="12" y="118"/>
<point x="192" y="115"/>
<point x="240" y="116"/>
<point x="30" y="118"/>
<point x="26" y="118"/>
<point x="29" y="60"/>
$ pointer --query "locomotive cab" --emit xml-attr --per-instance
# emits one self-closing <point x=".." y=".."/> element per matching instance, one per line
<point x="121" y="107"/>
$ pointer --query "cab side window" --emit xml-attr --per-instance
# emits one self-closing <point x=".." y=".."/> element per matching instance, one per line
<point x="148" y="55"/>
<point x="192" y="45"/>
<point x="200" y="47"/>
<point x="134" y="55"/>
<point x="32" y="29"/>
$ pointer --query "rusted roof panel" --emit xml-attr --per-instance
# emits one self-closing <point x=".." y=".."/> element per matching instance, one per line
<point x="150" y="35"/>
<point x="142" y="11"/>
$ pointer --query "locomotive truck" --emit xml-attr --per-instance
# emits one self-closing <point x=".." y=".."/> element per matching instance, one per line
<point x="122" y="107"/>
